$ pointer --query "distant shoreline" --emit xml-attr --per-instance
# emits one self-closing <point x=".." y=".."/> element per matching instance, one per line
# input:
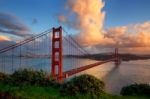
<point x="102" y="57"/>
<point x="123" y="57"/>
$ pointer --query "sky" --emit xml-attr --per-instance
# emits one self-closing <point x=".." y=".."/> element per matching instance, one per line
<point x="96" y="24"/>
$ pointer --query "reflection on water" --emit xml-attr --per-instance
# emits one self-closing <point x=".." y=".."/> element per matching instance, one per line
<point x="115" y="77"/>
<point x="127" y="73"/>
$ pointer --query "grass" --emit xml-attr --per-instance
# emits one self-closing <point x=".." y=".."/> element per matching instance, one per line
<point x="37" y="92"/>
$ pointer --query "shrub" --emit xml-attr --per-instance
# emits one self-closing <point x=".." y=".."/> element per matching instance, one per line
<point x="28" y="77"/>
<point x="136" y="90"/>
<point x="7" y="95"/>
<point x="84" y="84"/>
<point x="3" y="76"/>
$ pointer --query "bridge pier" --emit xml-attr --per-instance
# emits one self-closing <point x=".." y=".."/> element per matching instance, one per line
<point x="57" y="53"/>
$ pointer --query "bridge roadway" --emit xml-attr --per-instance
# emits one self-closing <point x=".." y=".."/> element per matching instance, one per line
<point x="71" y="72"/>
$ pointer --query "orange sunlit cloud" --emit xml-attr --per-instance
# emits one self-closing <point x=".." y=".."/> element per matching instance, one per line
<point x="4" y="38"/>
<point x="136" y="35"/>
<point x="90" y="20"/>
<point x="62" y="18"/>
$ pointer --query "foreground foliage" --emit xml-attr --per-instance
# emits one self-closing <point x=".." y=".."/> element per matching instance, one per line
<point x="27" y="77"/>
<point x="84" y="84"/>
<point x="3" y="76"/>
<point x="29" y="84"/>
<point x="136" y="90"/>
<point x="37" y="92"/>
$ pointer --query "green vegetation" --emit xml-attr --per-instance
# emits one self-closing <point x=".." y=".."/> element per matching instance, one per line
<point x="27" y="77"/>
<point x="36" y="92"/>
<point x="85" y="84"/>
<point x="28" y="84"/>
<point x="3" y="76"/>
<point x="136" y="90"/>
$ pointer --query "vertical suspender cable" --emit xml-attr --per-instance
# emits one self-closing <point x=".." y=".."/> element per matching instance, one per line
<point x="12" y="59"/>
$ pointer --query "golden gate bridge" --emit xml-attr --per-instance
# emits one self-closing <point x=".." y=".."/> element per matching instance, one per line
<point x="50" y="47"/>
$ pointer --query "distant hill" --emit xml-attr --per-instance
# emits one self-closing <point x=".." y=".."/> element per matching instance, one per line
<point x="104" y="56"/>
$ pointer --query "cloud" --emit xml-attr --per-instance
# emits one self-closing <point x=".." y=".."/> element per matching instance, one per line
<point x="135" y="35"/>
<point x="62" y="18"/>
<point x="88" y="17"/>
<point x="133" y="38"/>
<point x="12" y="25"/>
<point x="6" y="43"/>
<point x="89" y="20"/>
<point x="4" y="38"/>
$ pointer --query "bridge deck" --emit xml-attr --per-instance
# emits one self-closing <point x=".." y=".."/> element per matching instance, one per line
<point x="80" y="69"/>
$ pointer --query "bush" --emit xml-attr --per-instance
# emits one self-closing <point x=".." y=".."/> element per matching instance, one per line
<point x="136" y="90"/>
<point x="28" y="77"/>
<point x="84" y="84"/>
<point x="3" y="76"/>
<point x="7" y="95"/>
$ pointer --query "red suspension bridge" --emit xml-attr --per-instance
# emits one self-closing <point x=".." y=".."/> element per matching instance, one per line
<point x="51" y="51"/>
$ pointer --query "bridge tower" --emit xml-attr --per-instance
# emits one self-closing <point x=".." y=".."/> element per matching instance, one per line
<point x="57" y="53"/>
<point x="117" y="59"/>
